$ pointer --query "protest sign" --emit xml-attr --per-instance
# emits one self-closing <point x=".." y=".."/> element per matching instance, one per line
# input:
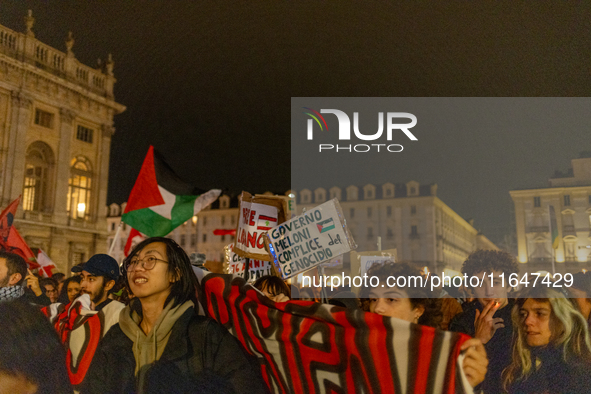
<point x="235" y="264"/>
<point x="361" y="261"/>
<point x="307" y="240"/>
<point x="258" y="214"/>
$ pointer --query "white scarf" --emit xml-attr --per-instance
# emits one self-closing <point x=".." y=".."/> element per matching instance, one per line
<point x="11" y="293"/>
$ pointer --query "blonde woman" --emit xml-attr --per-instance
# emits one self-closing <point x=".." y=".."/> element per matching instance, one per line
<point x="551" y="352"/>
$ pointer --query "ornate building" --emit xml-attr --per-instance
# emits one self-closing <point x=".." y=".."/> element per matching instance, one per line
<point x="407" y="217"/>
<point x="56" y="124"/>
<point x="570" y="195"/>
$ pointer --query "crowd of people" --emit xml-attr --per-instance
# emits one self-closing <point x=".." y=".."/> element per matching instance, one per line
<point x="145" y="335"/>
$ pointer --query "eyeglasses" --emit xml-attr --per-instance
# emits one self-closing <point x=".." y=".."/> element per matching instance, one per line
<point x="148" y="263"/>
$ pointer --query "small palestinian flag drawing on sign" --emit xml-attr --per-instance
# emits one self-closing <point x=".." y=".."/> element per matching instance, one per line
<point x="266" y="223"/>
<point x="325" y="225"/>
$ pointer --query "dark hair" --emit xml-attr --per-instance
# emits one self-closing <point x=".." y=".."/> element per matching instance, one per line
<point x="15" y="264"/>
<point x="273" y="284"/>
<point x="418" y="296"/>
<point x="488" y="261"/>
<point x="48" y="281"/>
<point x="63" y="297"/>
<point x="58" y="277"/>
<point x="179" y="266"/>
<point x="30" y="347"/>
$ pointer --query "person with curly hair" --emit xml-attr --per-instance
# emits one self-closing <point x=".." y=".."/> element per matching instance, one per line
<point x="411" y="302"/>
<point x="488" y="317"/>
<point x="552" y="350"/>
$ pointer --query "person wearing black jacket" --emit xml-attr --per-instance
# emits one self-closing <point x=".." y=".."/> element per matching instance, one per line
<point x="488" y="317"/>
<point x="160" y="344"/>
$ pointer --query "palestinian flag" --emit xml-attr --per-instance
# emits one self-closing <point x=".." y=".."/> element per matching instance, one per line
<point x="160" y="201"/>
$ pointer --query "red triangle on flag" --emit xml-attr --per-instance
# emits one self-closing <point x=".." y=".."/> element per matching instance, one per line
<point x="145" y="191"/>
<point x="7" y="217"/>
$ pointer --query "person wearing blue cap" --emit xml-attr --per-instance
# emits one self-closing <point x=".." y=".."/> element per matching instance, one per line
<point x="97" y="277"/>
<point x="83" y="323"/>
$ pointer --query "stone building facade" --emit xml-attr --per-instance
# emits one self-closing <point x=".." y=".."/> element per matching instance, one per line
<point x="570" y="195"/>
<point x="56" y="124"/>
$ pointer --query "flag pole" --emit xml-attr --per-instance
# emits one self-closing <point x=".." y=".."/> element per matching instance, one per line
<point x="115" y="238"/>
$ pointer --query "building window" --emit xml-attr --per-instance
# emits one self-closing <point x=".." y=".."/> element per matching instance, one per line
<point x="351" y="213"/>
<point x="193" y="239"/>
<point x="537" y="202"/>
<point x="567" y="201"/>
<point x="370" y="233"/>
<point x="204" y="220"/>
<point x="223" y="238"/>
<point x="204" y="237"/>
<point x="413" y="230"/>
<point x="84" y="134"/>
<point x="369" y="212"/>
<point x="233" y="219"/>
<point x="38" y="173"/>
<point x="79" y="189"/>
<point x="223" y="220"/>
<point x="413" y="191"/>
<point x="389" y="210"/>
<point x="112" y="226"/>
<point x="44" y="118"/>
<point x="413" y="209"/>
<point x="183" y="239"/>
<point x="389" y="233"/>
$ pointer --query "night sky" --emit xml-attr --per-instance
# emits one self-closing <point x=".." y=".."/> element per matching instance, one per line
<point x="209" y="84"/>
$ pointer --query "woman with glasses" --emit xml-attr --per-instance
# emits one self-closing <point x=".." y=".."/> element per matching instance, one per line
<point x="161" y="344"/>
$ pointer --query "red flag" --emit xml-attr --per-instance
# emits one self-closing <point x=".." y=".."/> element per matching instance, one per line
<point x="7" y="218"/>
<point x="133" y="234"/>
<point x="11" y="240"/>
<point x="224" y="232"/>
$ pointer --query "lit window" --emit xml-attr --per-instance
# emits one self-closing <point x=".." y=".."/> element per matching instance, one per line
<point x="79" y="189"/>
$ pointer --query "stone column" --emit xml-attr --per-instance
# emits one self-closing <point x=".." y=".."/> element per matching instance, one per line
<point x="16" y="152"/>
<point x="102" y="175"/>
<point x="63" y="166"/>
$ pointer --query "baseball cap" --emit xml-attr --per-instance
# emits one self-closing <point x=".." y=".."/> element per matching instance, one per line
<point x="100" y="264"/>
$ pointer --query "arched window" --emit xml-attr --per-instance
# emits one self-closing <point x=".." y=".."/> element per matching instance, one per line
<point x="79" y="189"/>
<point x="37" y="185"/>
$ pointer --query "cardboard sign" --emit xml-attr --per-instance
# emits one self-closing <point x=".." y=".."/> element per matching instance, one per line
<point x="258" y="215"/>
<point x="361" y="261"/>
<point x="307" y="240"/>
<point x="235" y="264"/>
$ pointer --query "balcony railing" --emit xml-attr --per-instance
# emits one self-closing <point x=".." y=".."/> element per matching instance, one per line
<point x="30" y="50"/>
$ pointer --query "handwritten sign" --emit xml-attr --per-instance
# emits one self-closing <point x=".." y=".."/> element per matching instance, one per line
<point x="258" y="215"/>
<point x="307" y="240"/>
<point x="235" y="264"/>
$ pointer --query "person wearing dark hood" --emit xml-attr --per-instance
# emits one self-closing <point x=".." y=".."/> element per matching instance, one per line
<point x="160" y="343"/>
